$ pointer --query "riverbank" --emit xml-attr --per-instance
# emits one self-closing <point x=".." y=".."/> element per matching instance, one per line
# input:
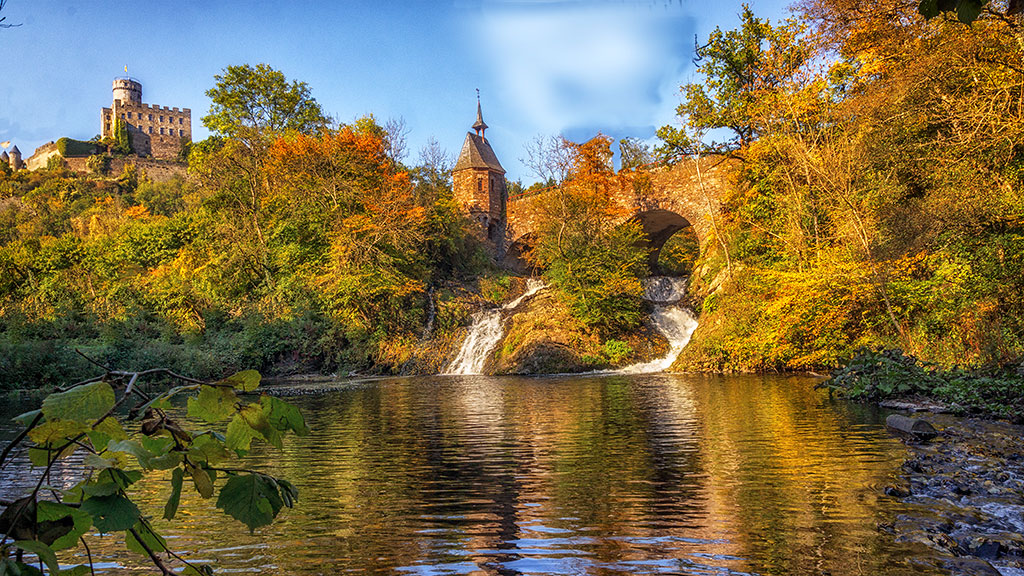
<point x="892" y="376"/>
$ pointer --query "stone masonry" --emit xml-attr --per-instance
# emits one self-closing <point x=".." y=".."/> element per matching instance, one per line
<point x="156" y="131"/>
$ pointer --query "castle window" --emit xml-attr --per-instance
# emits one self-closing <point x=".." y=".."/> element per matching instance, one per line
<point x="161" y="118"/>
<point x="129" y="115"/>
<point x="479" y="184"/>
<point x="151" y="117"/>
<point x="150" y="129"/>
<point x="161" y="130"/>
<point x="181" y="120"/>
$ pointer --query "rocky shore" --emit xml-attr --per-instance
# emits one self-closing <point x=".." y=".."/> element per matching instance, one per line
<point x="967" y="489"/>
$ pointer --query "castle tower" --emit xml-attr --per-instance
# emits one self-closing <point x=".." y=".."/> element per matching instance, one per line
<point x="15" y="159"/>
<point x="127" y="90"/>
<point x="478" y="184"/>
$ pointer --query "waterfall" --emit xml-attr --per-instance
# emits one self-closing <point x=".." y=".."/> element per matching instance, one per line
<point x="484" y="334"/>
<point x="673" y="321"/>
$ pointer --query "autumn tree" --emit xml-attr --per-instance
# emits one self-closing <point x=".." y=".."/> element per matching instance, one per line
<point x="251" y="107"/>
<point x="634" y="153"/>
<point x="588" y="249"/>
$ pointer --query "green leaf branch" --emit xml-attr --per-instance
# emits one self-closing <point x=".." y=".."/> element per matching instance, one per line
<point x="90" y="417"/>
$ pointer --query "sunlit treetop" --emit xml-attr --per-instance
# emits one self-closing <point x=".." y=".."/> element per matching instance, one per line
<point x="250" y="100"/>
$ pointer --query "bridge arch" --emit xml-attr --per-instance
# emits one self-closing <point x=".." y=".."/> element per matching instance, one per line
<point x="664" y="200"/>
<point x="516" y="254"/>
<point x="659" y="225"/>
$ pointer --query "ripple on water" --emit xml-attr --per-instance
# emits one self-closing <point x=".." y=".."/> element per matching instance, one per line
<point x="649" y="474"/>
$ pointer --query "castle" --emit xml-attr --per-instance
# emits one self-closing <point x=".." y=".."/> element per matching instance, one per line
<point x="478" y="185"/>
<point x="156" y="131"/>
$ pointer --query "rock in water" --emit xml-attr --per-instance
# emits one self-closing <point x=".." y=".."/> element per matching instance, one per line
<point x="916" y="428"/>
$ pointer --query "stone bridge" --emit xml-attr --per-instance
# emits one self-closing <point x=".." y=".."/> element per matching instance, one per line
<point x="664" y="200"/>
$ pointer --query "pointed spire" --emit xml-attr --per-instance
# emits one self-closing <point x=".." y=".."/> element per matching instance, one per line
<point x="479" y="126"/>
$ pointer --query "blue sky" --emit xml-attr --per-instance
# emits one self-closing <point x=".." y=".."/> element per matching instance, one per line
<point x="542" y="66"/>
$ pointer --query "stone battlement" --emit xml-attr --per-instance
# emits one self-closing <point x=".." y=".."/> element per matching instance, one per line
<point x="150" y="107"/>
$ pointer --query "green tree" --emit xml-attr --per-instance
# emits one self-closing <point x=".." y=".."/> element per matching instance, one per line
<point x="253" y="102"/>
<point x="739" y="67"/>
<point x="251" y="107"/>
<point x="634" y="153"/>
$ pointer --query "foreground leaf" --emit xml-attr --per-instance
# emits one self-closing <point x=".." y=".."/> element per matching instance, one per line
<point x="45" y="553"/>
<point x="171" y="508"/>
<point x="134" y="448"/>
<point x="81" y="403"/>
<point x="283" y="416"/>
<point x="202" y="480"/>
<point x="252" y="499"/>
<point x="26" y="418"/>
<point x="8" y="566"/>
<point x="147" y="536"/>
<point x="248" y="424"/>
<point x="111" y="513"/>
<point x="52" y="511"/>
<point x="213" y="404"/>
<point x="246" y="380"/>
<point x="56" y="432"/>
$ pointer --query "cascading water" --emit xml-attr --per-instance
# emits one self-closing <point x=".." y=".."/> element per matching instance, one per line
<point x="485" y="333"/>
<point x="673" y="321"/>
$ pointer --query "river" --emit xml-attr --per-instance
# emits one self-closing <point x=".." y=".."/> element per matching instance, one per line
<point x="602" y="474"/>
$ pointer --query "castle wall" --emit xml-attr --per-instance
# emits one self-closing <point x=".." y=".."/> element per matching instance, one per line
<point x="156" y="170"/>
<point x="41" y="156"/>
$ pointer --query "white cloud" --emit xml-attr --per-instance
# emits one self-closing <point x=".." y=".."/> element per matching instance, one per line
<point x="573" y="65"/>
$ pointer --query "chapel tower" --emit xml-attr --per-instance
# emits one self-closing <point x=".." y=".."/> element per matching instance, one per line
<point x="478" y="184"/>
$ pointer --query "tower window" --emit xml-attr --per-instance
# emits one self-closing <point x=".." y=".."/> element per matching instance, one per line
<point x="151" y="117"/>
<point x="181" y="120"/>
<point x="479" y="184"/>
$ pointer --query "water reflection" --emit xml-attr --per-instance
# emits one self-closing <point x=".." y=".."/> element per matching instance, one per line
<point x="602" y="475"/>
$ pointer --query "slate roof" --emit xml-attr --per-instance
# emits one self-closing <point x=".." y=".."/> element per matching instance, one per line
<point x="4" y="157"/>
<point x="15" y="150"/>
<point x="477" y="153"/>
